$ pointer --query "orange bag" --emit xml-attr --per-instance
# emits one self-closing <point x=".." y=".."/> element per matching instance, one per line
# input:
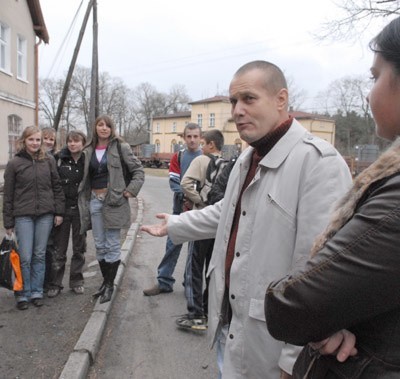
<point x="10" y="266"/>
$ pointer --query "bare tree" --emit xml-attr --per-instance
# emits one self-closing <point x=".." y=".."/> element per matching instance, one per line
<point x="297" y="96"/>
<point x="80" y="92"/>
<point x="132" y="110"/>
<point x="345" y="100"/>
<point x="357" y="17"/>
<point x="49" y="98"/>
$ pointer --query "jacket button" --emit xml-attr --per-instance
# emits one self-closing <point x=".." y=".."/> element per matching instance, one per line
<point x="244" y="213"/>
<point x="237" y="254"/>
<point x="233" y="297"/>
<point x="231" y="336"/>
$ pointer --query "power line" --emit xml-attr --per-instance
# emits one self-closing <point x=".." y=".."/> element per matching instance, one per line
<point x="66" y="40"/>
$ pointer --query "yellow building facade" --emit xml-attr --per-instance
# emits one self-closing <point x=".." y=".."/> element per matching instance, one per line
<point x="215" y="112"/>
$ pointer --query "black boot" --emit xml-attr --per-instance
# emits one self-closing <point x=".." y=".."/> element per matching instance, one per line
<point x="109" y="281"/>
<point x="102" y="288"/>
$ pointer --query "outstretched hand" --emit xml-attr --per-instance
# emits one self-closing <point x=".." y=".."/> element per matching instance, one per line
<point x="342" y="344"/>
<point x="157" y="230"/>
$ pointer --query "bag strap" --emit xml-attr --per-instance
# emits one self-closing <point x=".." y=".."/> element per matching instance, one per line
<point x="121" y="157"/>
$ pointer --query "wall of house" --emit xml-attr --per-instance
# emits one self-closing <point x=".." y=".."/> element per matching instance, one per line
<point x="166" y="136"/>
<point x="221" y="110"/>
<point x="323" y="128"/>
<point x="16" y="96"/>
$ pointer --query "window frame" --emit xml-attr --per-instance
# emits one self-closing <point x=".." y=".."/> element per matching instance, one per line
<point x="5" y="46"/>
<point x="22" y="58"/>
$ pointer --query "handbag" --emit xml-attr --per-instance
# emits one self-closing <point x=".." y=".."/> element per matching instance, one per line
<point x="10" y="265"/>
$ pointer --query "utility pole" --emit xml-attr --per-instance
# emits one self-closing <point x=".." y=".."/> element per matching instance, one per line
<point x="94" y="85"/>
<point x="71" y="67"/>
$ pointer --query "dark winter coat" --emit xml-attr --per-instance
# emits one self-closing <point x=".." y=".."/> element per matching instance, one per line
<point x="31" y="188"/>
<point x="71" y="174"/>
<point x="352" y="282"/>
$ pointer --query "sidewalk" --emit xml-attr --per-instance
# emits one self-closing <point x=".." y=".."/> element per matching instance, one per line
<point x="64" y="335"/>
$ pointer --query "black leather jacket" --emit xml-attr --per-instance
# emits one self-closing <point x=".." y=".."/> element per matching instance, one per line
<point x="352" y="283"/>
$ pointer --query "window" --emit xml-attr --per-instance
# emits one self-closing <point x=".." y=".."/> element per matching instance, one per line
<point x="173" y="144"/>
<point x="4" y="47"/>
<point x="21" y="58"/>
<point x="14" y="131"/>
<point x="157" y="147"/>
<point x="174" y="127"/>
<point x="212" y="120"/>
<point x="200" y="120"/>
<point x="157" y="128"/>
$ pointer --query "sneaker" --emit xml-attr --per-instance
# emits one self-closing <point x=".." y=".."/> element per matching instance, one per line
<point x="53" y="292"/>
<point x="22" y="305"/>
<point x="192" y="322"/>
<point x="155" y="290"/>
<point x="79" y="290"/>
<point x="37" y="302"/>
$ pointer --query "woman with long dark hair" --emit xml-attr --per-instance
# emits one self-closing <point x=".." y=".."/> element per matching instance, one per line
<point x="351" y="284"/>
<point x="104" y="194"/>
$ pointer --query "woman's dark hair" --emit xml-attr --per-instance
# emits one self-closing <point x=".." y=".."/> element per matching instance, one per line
<point x="110" y="123"/>
<point x="387" y="43"/>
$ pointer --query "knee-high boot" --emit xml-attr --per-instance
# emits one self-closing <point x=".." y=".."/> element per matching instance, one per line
<point x="109" y="281"/>
<point x="102" y="288"/>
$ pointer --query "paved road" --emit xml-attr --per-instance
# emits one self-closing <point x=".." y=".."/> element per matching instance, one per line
<point x="141" y="340"/>
<point x="36" y="343"/>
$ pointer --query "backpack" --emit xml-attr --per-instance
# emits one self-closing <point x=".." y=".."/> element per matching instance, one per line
<point x="214" y="169"/>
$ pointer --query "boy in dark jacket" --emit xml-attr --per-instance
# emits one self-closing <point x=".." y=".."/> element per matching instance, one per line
<point x="70" y="164"/>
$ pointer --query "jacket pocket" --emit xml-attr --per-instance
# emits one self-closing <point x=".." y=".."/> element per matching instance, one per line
<point x="256" y="309"/>
<point x="115" y="198"/>
<point x="280" y="210"/>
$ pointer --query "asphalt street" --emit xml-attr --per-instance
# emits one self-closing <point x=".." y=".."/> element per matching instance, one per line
<point x="133" y="336"/>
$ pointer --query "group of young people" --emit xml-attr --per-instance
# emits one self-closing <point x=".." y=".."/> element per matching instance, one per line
<point x="48" y="193"/>
<point x="297" y="289"/>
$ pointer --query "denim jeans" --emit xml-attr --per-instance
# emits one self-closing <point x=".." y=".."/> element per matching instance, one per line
<point x="107" y="241"/>
<point x="198" y="259"/>
<point x="221" y="342"/>
<point x="32" y="235"/>
<point x="167" y="265"/>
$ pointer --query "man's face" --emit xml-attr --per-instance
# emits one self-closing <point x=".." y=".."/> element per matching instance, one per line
<point x="255" y="110"/>
<point x="205" y="147"/>
<point x="192" y="139"/>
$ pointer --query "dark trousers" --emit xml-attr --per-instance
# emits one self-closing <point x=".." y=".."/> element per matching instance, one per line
<point x="61" y="239"/>
<point x="49" y="257"/>
<point x="199" y="257"/>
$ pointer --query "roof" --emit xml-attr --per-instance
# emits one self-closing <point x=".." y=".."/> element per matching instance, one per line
<point x="173" y="115"/>
<point x="215" y="99"/>
<point x="39" y="25"/>
<point x="299" y="115"/>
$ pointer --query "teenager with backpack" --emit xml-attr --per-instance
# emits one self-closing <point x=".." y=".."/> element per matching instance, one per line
<point x="180" y="161"/>
<point x="196" y="185"/>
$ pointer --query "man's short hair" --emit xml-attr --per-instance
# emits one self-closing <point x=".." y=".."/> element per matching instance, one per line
<point x="191" y="126"/>
<point x="274" y="77"/>
<point x="215" y="136"/>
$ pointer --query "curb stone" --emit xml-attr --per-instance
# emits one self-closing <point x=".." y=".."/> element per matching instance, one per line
<point x="85" y="350"/>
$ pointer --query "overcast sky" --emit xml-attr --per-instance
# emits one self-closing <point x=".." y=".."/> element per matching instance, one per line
<point x="201" y="44"/>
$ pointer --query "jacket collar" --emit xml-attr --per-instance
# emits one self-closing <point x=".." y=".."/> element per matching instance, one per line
<point x="282" y="148"/>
